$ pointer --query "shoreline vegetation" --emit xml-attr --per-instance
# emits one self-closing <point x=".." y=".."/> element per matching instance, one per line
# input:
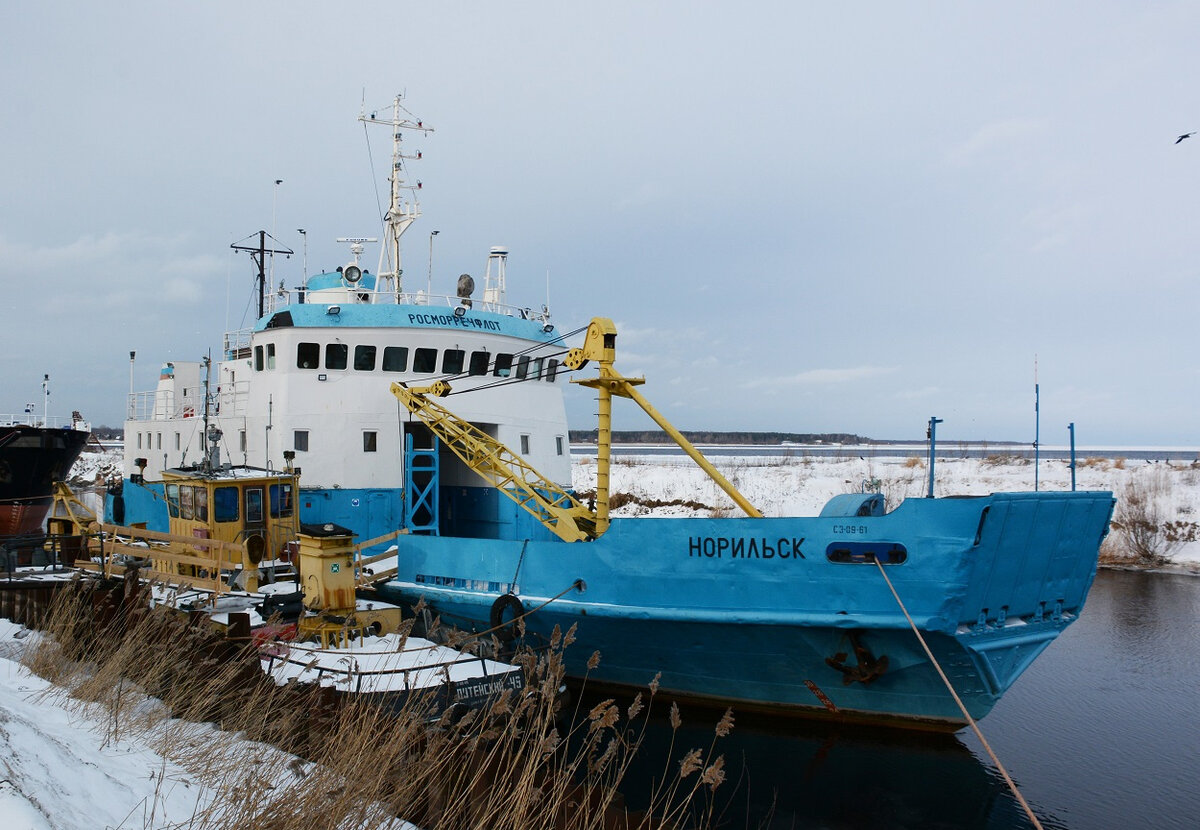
<point x="285" y="757"/>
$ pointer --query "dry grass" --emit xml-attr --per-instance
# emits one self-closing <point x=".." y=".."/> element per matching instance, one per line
<point x="1144" y="534"/>
<point x="1005" y="460"/>
<point x="292" y="757"/>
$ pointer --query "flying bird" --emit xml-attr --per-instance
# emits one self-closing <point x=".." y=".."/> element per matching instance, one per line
<point x="1185" y="135"/>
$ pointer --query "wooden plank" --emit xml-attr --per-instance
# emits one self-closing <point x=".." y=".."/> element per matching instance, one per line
<point x="170" y="556"/>
<point x="156" y="536"/>
<point x="370" y="543"/>
<point x="370" y="579"/>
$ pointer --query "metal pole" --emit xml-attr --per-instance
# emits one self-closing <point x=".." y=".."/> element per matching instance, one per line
<point x="132" y="399"/>
<point x="274" y="201"/>
<point x="933" y="422"/>
<point x="1071" y="429"/>
<point x="262" y="274"/>
<point x="304" y="233"/>
<point x="46" y="401"/>
<point x="429" y="278"/>
<point x="1037" y="427"/>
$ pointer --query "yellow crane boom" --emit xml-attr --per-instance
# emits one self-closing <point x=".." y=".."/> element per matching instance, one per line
<point x="600" y="345"/>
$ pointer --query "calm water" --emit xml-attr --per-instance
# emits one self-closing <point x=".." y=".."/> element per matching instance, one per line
<point x="1103" y="731"/>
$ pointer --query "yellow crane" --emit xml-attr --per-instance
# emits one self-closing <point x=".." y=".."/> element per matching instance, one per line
<point x="600" y="345"/>
<point x="554" y="507"/>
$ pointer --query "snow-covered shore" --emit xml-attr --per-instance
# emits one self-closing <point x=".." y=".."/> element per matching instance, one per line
<point x="799" y="485"/>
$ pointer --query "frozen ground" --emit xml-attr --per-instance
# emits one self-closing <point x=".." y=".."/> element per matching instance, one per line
<point x="64" y="769"/>
<point x="61" y="769"/>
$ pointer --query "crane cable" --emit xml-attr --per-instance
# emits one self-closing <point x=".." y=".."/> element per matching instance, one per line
<point x="449" y="378"/>
<point x="970" y="720"/>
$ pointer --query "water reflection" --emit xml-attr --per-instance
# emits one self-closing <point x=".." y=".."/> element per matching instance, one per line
<point x="795" y="774"/>
<point x="1100" y="732"/>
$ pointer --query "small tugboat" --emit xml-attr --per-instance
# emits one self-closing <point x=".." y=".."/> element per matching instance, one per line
<point x="234" y="527"/>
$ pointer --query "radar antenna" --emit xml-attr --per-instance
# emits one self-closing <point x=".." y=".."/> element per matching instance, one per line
<point x="402" y="210"/>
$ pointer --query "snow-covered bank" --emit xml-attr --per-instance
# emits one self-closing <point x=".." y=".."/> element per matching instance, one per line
<point x="801" y="485"/>
<point x="71" y="765"/>
<point x="62" y="770"/>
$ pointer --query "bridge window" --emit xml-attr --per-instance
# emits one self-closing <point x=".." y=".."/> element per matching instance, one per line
<point x="271" y="356"/>
<point x="558" y="444"/>
<point x="308" y="355"/>
<point x="254" y="505"/>
<point x="177" y="441"/>
<point x="551" y="370"/>
<point x="364" y="358"/>
<point x="336" y="355"/>
<point x="524" y="445"/>
<point x="300" y="440"/>
<point x="522" y="367"/>
<point x="241" y="440"/>
<point x="479" y="363"/>
<point x="503" y="365"/>
<point x="225" y="504"/>
<point x="187" y="503"/>
<point x="395" y="358"/>
<point x="370" y="441"/>
<point x="258" y="358"/>
<point x="452" y="361"/>
<point x="281" y="500"/>
<point x="535" y="370"/>
<point x="425" y="360"/>
<point x="173" y="500"/>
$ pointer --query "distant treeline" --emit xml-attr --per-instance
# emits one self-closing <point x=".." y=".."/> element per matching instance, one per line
<point x="657" y="436"/>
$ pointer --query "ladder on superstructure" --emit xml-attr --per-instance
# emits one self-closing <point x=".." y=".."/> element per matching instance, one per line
<point x="508" y="472"/>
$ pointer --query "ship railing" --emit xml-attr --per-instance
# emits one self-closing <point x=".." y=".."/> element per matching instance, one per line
<point x="161" y="405"/>
<point x="26" y="419"/>
<point x="416" y="677"/>
<point x="238" y="342"/>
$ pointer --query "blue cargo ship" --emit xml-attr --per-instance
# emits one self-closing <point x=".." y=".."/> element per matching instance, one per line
<point x="803" y="615"/>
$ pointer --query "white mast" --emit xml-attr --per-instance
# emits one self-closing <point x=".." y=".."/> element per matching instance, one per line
<point x="401" y="211"/>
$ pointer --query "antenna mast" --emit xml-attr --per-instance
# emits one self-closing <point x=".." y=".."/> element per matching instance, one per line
<point x="259" y="254"/>
<point x="401" y="212"/>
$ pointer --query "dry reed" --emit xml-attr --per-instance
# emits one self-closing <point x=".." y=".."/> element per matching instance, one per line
<point x="289" y="757"/>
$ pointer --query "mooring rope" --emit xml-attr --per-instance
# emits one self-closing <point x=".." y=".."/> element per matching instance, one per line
<point x="970" y="720"/>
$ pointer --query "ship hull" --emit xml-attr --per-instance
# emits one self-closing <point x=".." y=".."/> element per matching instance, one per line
<point x="772" y="614"/>
<point x="31" y="460"/>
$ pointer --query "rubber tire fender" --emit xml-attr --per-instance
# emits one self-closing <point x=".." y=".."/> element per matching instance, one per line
<point x="505" y="602"/>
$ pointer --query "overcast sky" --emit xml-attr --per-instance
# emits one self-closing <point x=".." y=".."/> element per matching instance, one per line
<point x="809" y="217"/>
